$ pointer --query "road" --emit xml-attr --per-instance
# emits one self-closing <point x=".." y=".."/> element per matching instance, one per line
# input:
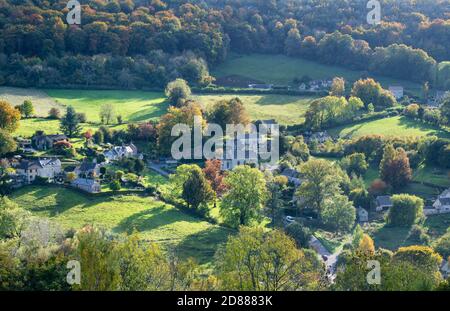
<point x="332" y="259"/>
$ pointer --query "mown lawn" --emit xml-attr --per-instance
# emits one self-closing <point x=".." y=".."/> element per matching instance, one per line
<point x="280" y="69"/>
<point x="393" y="126"/>
<point x="153" y="220"/>
<point x="285" y="109"/>
<point x="133" y="106"/>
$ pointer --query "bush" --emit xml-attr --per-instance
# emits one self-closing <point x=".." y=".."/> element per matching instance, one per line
<point x="115" y="185"/>
<point x="405" y="211"/>
<point x="299" y="233"/>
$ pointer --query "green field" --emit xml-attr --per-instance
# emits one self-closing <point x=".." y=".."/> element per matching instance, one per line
<point x="393" y="126"/>
<point x="285" y="109"/>
<point x="280" y="69"/>
<point x="153" y="220"/>
<point x="29" y="126"/>
<point x="133" y="106"/>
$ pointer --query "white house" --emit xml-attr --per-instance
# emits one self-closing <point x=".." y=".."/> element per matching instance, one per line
<point x="244" y="151"/>
<point x="45" y="168"/>
<point x="397" y="91"/>
<point x="363" y="215"/>
<point x="124" y="151"/>
<point x="441" y="205"/>
<point x="88" y="185"/>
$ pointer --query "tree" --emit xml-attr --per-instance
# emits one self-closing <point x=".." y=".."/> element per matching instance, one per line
<point x="98" y="259"/>
<point x="98" y="137"/>
<point x="12" y="219"/>
<point x="9" y="117"/>
<point x="405" y="211"/>
<point x="115" y="185"/>
<point x="54" y="113"/>
<point x="27" y="108"/>
<point x="247" y="193"/>
<point x="442" y="245"/>
<point x="276" y="186"/>
<point x="338" y="87"/>
<point x="394" y="167"/>
<point x="320" y="182"/>
<point x="177" y="92"/>
<point x="107" y="113"/>
<point x="213" y="173"/>
<point x="226" y="112"/>
<point x="445" y="109"/>
<point x="355" y="164"/>
<point x="301" y="234"/>
<point x="70" y="123"/>
<point x="371" y="92"/>
<point x="366" y="246"/>
<point x="293" y="42"/>
<point x="7" y="143"/>
<point x="338" y="213"/>
<point x="183" y="115"/>
<point x="197" y="192"/>
<point x="299" y="148"/>
<point x="255" y="260"/>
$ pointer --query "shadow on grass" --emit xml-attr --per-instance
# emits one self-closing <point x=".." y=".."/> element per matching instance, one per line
<point x="151" y="111"/>
<point x="281" y="100"/>
<point x="392" y="237"/>
<point x="151" y="219"/>
<point x="203" y="245"/>
<point x="403" y="121"/>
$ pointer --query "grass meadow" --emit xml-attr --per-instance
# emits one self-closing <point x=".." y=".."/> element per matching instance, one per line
<point x="153" y="220"/>
<point x="280" y="69"/>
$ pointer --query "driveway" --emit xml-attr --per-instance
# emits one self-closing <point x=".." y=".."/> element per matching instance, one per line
<point x="332" y="259"/>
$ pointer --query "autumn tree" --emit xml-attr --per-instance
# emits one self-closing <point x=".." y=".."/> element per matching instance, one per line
<point x="9" y="117"/>
<point x="183" y="115"/>
<point x="338" y="87"/>
<point x="247" y="192"/>
<point x="371" y="92"/>
<point x="213" y="173"/>
<point x="226" y="112"/>
<point x="394" y="167"/>
<point x="177" y="92"/>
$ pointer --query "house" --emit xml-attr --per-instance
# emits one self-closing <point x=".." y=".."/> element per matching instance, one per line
<point x="88" y="185"/>
<point x="124" y="151"/>
<point x="441" y="205"/>
<point x="45" y="168"/>
<point x="397" y="91"/>
<point x="244" y="151"/>
<point x="292" y="175"/>
<point x="302" y="87"/>
<point x="88" y="169"/>
<point x="363" y="215"/>
<point x="41" y="141"/>
<point x="383" y="202"/>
